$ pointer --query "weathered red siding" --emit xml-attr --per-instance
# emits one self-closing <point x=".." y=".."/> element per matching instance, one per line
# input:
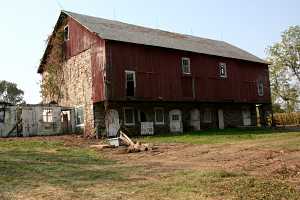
<point x="80" y="40"/>
<point x="159" y="77"/>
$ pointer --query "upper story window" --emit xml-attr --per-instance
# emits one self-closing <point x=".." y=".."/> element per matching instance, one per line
<point x="66" y="33"/>
<point x="48" y="115"/>
<point x="186" y="65"/>
<point x="222" y="70"/>
<point x="130" y="83"/>
<point x="260" y="88"/>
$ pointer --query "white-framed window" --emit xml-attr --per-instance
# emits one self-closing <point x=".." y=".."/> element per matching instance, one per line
<point x="79" y="116"/>
<point x="129" y="118"/>
<point x="66" y="33"/>
<point x="159" y="116"/>
<point x="47" y="115"/>
<point x="222" y="70"/>
<point x="207" y="118"/>
<point x="260" y="88"/>
<point x="175" y="117"/>
<point x="186" y="65"/>
<point x="130" y="83"/>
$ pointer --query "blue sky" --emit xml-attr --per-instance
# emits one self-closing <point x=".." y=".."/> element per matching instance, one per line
<point x="25" y="26"/>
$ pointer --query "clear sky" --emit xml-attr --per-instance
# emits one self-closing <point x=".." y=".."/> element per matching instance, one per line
<point x="25" y="25"/>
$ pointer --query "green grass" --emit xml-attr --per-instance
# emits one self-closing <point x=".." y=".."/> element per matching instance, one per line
<point x="221" y="136"/>
<point x="50" y="170"/>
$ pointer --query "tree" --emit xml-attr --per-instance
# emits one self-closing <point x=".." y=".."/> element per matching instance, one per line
<point x="10" y="93"/>
<point x="284" y="57"/>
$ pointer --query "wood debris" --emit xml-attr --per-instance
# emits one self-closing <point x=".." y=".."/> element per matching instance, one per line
<point x="133" y="147"/>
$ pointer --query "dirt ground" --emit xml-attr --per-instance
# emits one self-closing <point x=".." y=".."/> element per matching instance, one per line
<point x="267" y="159"/>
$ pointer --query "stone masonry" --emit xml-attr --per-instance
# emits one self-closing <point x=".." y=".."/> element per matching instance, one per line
<point x="77" y="87"/>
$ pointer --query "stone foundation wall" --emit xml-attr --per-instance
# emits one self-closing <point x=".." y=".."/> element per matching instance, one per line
<point x="77" y="87"/>
<point x="232" y="114"/>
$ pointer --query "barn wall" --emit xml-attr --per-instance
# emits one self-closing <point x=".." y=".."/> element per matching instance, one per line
<point x="159" y="76"/>
<point x="81" y="40"/>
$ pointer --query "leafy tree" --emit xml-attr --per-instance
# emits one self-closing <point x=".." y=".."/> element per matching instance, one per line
<point x="9" y="92"/>
<point x="284" y="57"/>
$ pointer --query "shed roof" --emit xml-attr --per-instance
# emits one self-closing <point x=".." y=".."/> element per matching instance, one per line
<point x="119" y="31"/>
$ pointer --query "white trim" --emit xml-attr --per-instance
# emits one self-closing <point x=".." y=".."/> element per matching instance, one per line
<point x="67" y="26"/>
<point x="134" y="79"/>
<point x="124" y="116"/>
<point x="260" y="92"/>
<point x="163" y="112"/>
<point x="189" y="65"/>
<point x="222" y="64"/>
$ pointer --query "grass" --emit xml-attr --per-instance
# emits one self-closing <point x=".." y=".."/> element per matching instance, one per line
<point x="51" y="170"/>
<point x="221" y="136"/>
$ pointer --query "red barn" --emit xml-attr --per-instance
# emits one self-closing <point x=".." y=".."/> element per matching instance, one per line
<point x="116" y="74"/>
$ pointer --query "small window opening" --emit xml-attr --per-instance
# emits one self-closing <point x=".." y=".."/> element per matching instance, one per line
<point x="159" y="116"/>
<point x="130" y="83"/>
<point x="47" y="115"/>
<point x="66" y="33"/>
<point x="2" y="115"/>
<point x="186" y="65"/>
<point x="175" y="117"/>
<point x="260" y="88"/>
<point x="129" y="116"/>
<point x="223" y="70"/>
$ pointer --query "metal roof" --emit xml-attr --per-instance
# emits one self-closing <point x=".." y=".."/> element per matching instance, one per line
<point x="119" y="31"/>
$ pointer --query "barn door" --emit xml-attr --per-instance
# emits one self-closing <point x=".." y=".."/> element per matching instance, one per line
<point x="29" y="122"/>
<point x="221" y="119"/>
<point x="246" y="117"/>
<point x="195" y="119"/>
<point x="175" y="121"/>
<point x="112" y="123"/>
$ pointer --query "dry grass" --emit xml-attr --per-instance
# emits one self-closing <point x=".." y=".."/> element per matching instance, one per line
<point x="257" y="167"/>
<point x="283" y="119"/>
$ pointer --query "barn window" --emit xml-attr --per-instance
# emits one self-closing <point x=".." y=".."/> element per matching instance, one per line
<point x="159" y="116"/>
<point x="66" y="33"/>
<point x="129" y="116"/>
<point x="130" y="83"/>
<point x="207" y="116"/>
<point x="47" y="115"/>
<point x="260" y="88"/>
<point x="79" y="116"/>
<point x="222" y="70"/>
<point x="186" y="65"/>
<point x="175" y="117"/>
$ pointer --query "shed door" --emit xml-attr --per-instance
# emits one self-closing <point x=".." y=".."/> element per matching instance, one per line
<point x="29" y="122"/>
<point x="175" y="121"/>
<point x="112" y="123"/>
<point x="195" y="119"/>
<point x="246" y="117"/>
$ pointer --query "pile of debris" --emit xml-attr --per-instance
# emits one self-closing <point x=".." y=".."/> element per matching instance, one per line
<point x="123" y="139"/>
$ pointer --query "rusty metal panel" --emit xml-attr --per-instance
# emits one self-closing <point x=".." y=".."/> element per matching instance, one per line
<point x="159" y="76"/>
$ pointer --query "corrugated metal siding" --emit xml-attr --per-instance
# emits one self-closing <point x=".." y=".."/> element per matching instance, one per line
<point x="159" y="77"/>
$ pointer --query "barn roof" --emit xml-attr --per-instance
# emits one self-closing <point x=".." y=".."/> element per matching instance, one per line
<point x="119" y="31"/>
